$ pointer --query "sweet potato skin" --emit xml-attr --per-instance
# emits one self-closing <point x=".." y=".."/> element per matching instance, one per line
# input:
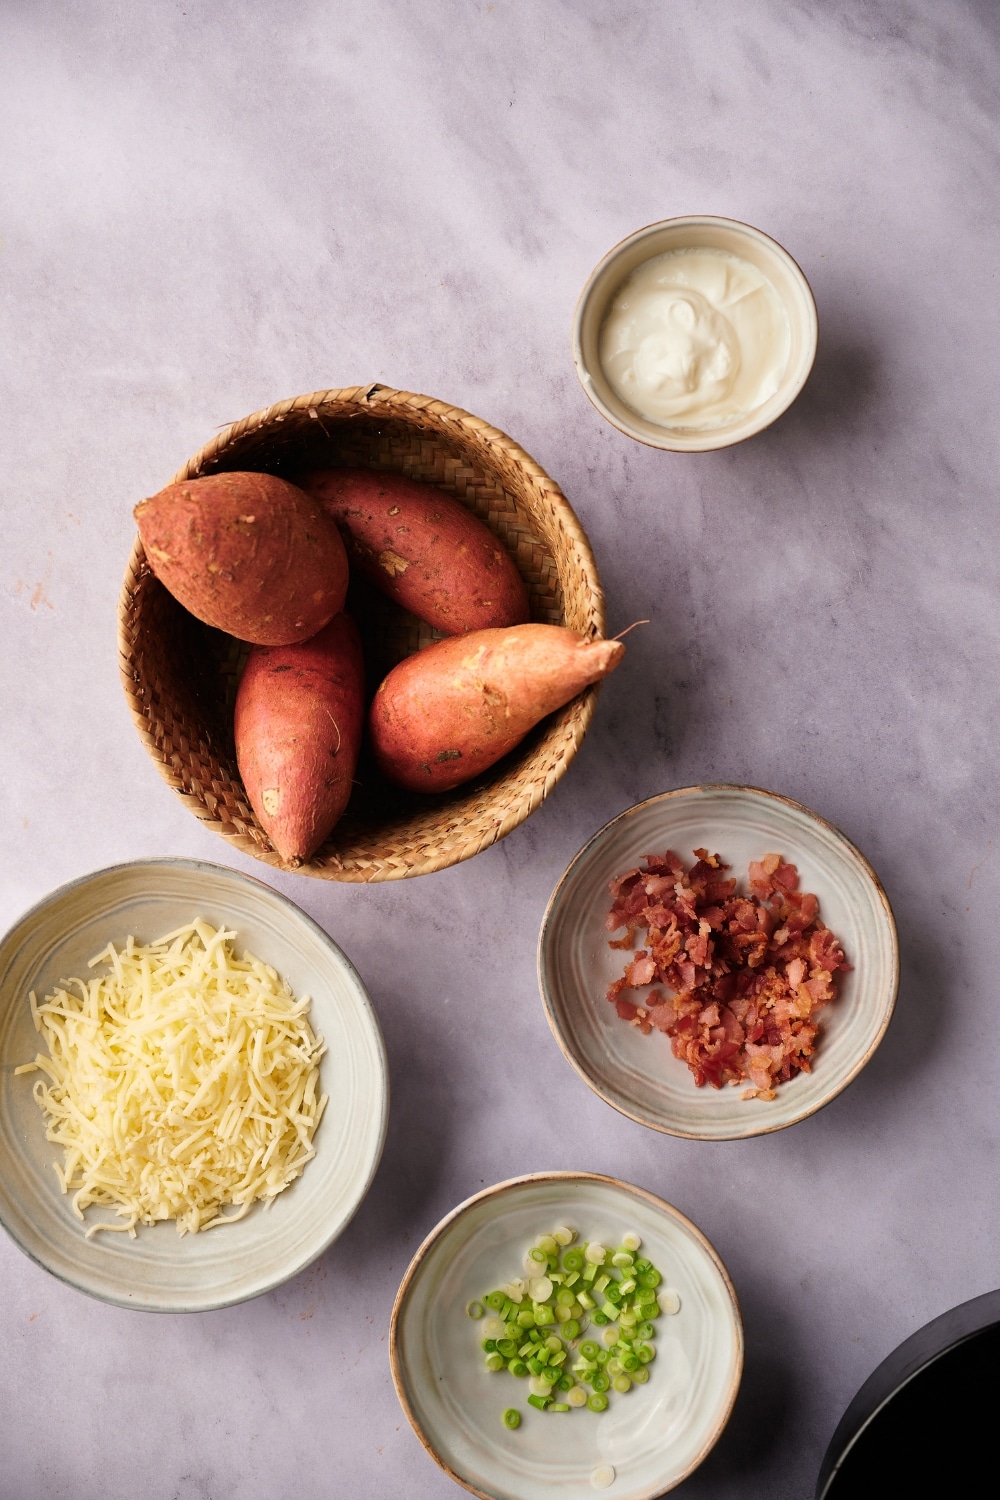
<point x="453" y="709"/>
<point x="298" y="722"/>
<point x="248" y="553"/>
<point x="422" y="548"/>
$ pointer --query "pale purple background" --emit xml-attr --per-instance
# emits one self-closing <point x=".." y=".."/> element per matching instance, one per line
<point x="210" y="206"/>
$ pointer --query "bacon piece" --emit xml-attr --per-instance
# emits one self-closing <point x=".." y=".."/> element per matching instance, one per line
<point x="746" y="973"/>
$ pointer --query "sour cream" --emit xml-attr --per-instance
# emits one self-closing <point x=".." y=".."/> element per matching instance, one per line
<point x="695" y="339"/>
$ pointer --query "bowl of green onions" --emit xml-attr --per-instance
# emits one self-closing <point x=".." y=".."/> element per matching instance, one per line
<point x="566" y="1330"/>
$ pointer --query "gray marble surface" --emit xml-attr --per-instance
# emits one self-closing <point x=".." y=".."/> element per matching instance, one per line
<point x="209" y="206"/>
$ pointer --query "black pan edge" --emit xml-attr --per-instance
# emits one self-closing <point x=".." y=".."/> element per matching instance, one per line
<point x="898" y="1369"/>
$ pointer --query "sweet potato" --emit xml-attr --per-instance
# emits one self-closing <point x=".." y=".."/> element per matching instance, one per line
<point x="423" y="549"/>
<point x="247" y="553"/>
<point x="299" y="716"/>
<point x="449" y="712"/>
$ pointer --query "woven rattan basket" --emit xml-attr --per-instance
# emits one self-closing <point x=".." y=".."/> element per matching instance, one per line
<point x="180" y="676"/>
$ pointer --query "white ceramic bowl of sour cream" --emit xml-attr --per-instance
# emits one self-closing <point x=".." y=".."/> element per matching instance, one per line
<point x="695" y="333"/>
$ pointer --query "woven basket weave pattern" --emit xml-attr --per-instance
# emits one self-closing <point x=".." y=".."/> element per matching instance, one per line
<point x="180" y="677"/>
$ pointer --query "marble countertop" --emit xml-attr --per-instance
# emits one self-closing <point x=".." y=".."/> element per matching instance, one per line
<point x="210" y="206"/>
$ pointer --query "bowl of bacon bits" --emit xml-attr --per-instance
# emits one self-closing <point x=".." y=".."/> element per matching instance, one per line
<point x="718" y="962"/>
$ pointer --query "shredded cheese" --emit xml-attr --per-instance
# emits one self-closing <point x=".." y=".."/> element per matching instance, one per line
<point x="182" y="1079"/>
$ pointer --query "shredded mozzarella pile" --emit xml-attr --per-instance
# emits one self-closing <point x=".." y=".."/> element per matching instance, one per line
<point x="181" y="1079"/>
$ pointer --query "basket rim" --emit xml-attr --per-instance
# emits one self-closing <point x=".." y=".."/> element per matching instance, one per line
<point x="377" y="399"/>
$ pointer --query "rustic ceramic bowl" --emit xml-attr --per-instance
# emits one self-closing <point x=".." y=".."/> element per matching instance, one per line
<point x="639" y="1074"/>
<point x="700" y="232"/>
<point x="159" y="1270"/>
<point x="652" y="1437"/>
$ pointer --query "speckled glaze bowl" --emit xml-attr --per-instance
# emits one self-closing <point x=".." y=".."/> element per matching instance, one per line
<point x="652" y="1438"/>
<point x="160" y="1271"/>
<point x="639" y="1074"/>
<point x="702" y="232"/>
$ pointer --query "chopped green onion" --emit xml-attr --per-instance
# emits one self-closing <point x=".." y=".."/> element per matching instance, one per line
<point x="535" y="1365"/>
<point x="541" y="1402"/>
<point x="573" y="1260"/>
<point x="640" y="1376"/>
<point x="627" y="1319"/>
<point x="670" y="1303"/>
<point x="589" y="1349"/>
<point x="610" y="1312"/>
<point x="602" y="1281"/>
<point x="645" y="1353"/>
<point x="576" y="1396"/>
<point x="525" y="1318"/>
<point x="614" y="1366"/>
<point x="610" y="1336"/>
<point x="489" y="1346"/>
<point x="518" y="1367"/>
<point x="559" y="1406"/>
<point x="622" y="1383"/>
<point x="565" y="1382"/>
<point x="622" y="1259"/>
<point x="630" y="1362"/>
<point x="585" y="1300"/>
<point x="631" y="1241"/>
<point x="539" y="1256"/>
<point x="627" y="1287"/>
<point x="642" y="1264"/>
<point x="645" y="1331"/>
<point x="495" y="1300"/>
<point x="599" y="1318"/>
<point x="507" y="1347"/>
<point x="564" y="1297"/>
<point x="493" y="1328"/>
<point x="600" y="1382"/>
<point x="548" y="1244"/>
<point x="494" y="1361"/>
<point x="512" y="1418"/>
<point x="597" y="1402"/>
<point x="474" y="1309"/>
<point x="613" y="1293"/>
<point x="602" y="1356"/>
<point x="650" y="1277"/>
<point x="651" y="1309"/>
<point x="543" y="1315"/>
<point x="571" y="1329"/>
<point x="564" y="1235"/>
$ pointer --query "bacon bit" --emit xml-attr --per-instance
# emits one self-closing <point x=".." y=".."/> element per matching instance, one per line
<point x="746" y="974"/>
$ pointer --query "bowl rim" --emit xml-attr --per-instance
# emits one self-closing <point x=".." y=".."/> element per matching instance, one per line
<point x="198" y="865"/>
<point x="712" y="439"/>
<point x="413" y="1269"/>
<point x="463" y="837"/>
<point x="595" y="1083"/>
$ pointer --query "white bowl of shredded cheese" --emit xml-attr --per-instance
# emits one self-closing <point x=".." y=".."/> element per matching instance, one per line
<point x="193" y="1086"/>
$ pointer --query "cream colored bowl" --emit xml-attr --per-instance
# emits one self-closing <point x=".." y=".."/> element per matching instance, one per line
<point x="652" y="1438"/>
<point x="639" y="1074"/>
<point x="707" y="233"/>
<point x="159" y="1270"/>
